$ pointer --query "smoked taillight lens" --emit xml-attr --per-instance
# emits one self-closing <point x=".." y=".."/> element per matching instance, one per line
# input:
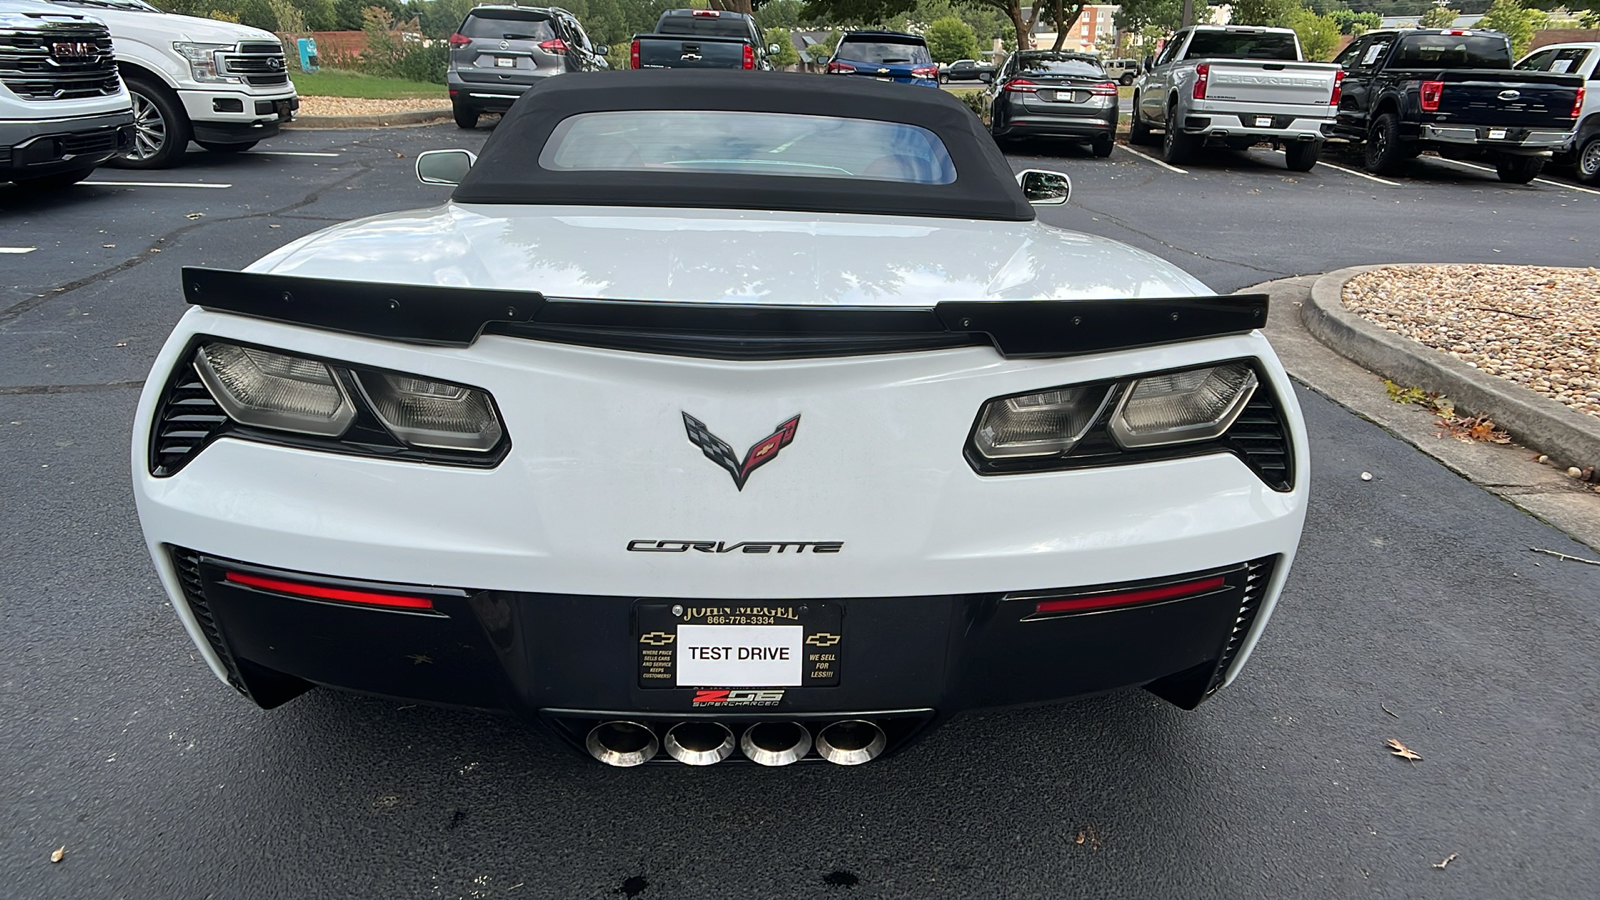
<point x="327" y="592"/>
<point x="1138" y="597"/>
<point x="1338" y="88"/>
<point x="1431" y="92"/>
<point x="1202" y="78"/>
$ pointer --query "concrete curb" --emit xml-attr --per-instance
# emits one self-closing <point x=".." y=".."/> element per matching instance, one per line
<point x="377" y="121"/>
<point x="1534" y="420"/>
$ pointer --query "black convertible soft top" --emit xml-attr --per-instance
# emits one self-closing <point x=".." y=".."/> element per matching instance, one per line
<point x="508" y="170"/>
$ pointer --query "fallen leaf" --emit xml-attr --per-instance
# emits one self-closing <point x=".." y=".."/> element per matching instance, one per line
<point x="1444" y="862"/>
<point x="57" y="856"/>
<point x="274" y="226"/>
<point x="194" y="216"/>
<point x="120" y="344"/>
<point x="108" y="246"/>
<point x="1402" y="751"/>
<point x="1080" y="837"/>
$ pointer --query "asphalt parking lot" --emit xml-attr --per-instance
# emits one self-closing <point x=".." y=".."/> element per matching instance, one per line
<point x="1414" y="612"/>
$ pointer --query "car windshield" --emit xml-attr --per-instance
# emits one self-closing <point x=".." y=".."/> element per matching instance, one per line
<point x="1242" y="45"/>
<point x="1058" y="65"/>
<point x="748" y="143"/>
<point x="707" y="26"/>
<point x="879" y="50"/>
<point x="1452" y="51"/>
<point x="510" y="26"/>
<point x="128" y="5"/>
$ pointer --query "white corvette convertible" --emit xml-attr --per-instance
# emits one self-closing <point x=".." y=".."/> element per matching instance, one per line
<point x="716" y="418"/>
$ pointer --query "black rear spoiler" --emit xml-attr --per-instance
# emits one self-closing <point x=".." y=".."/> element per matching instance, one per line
<point x="455" y="317"/>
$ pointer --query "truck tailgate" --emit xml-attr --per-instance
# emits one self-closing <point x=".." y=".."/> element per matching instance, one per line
<point x="1511" y="98"/>
<point x="1243" y="81"/>
<point x="676" y="51"/>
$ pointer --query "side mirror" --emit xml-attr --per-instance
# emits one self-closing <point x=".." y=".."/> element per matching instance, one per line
<point x="1148" y="64"/>
<point x="602" y="50"/>
<point x="444" y="166"/>
<point x="1044" y="188"/>
<point x="985" y="77"/>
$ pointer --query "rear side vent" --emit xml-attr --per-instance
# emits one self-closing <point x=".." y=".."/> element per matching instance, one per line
<point x="1261" y="437"/>
<point x="1258" y="574"/>
<point x="187" y="564"/>
<point x="185" y="422"/>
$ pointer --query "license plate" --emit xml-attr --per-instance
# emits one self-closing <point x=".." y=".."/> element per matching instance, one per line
<point x="505" y="62"/>
<point x="1263" y="121"/>
<point x="739" y="645"/>
<point x="1497" y="134"/>
<point x="884" y="78"/>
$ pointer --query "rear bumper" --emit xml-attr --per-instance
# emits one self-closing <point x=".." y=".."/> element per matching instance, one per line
<point x="1261" y="127"/>
<point x="31" y="149"/>
<point x="489" y="93"/>
<point x="1088" y="128"/>
<point x="1517" y="141"/>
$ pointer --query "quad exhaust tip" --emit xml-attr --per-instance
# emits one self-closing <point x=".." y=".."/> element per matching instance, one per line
<point x="775" y="743"/>
<point x="621" y="743"/>
<point x="851" y="742"/>
<point x="698" y="743"/>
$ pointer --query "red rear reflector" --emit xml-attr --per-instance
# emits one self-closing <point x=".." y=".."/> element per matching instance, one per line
<point x="1431" y="92"/>
<point x="321" y="592"/>
<point x="1130" y="598"/>
<point x="1338" y="88"/>
<point x="1202" y="74"/>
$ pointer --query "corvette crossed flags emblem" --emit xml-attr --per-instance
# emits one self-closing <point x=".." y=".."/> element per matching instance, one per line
<point x="720" y="451"/>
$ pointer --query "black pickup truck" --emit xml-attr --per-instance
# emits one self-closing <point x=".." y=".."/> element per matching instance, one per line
<point x="1452" y="91"/>
<point x="701" y="39"/>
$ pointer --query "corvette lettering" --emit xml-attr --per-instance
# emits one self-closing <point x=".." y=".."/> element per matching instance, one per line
<point x="645" y="545"/>
<point x="720" y="451"/>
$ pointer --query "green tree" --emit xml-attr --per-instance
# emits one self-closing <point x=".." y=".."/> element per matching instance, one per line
<point x="1263" y="12"/>
<point x="1438" y="17"/>
<point x="787" y="54"/>
<point x="780" y="14"/>
<point x="950" y="39"/>
<point x="1319" y="35"/>
<point x="1515" y="22"/>
<point x="1133" y="15"/>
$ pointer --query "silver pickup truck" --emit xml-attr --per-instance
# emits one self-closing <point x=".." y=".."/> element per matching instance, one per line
<point x="1238" y="86"/>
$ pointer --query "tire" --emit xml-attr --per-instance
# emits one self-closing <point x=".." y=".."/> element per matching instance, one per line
<point x="215" y="147"/>
<point x="1385" y="153"/>
<point x="161" y="129"/>
<point x="1126" y="79"/>
<point x="1138" y="131"/>
<point x="52" y="182"/>
<point x="1176" y="147"/>
<point x="1588" y="165"/>
<point x="1301" y="155"/>
<point x="1102" y="148"/>
<point x="465" y="118"/>
<point x="1519" y="169"/>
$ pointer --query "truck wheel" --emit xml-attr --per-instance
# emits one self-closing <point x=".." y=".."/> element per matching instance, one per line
<point x="51" y="182"/>
<point x="160" y="126"/>
<point x="1138" y="131"/>
<point x="1301" y="155"/>
<point x="1588" y="166"/>
<point x="215" y="147"/>
<point x="1176" y="147"/>
<point x="465" y="118"/>
<point x="1519" y="169"/>
<point x="1385" y="152"/>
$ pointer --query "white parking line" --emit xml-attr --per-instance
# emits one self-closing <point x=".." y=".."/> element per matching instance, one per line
<point x="1358" y="174"/>
<point x="288" y="153"/>
<point x="176" y="184"/>
<point x="17" y="249"/>
<point x="1153" y="159"/>
<point x="1457" y="162"/>
<point x="1546" y="181"/>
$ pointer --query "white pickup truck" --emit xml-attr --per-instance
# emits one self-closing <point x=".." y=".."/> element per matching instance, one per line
<point x="1238" y="86"/>
<point x="222" y="85"/>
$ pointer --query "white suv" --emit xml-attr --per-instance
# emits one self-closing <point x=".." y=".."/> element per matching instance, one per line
<point x="222" y="85"/>
<point x="1583" y="153"/>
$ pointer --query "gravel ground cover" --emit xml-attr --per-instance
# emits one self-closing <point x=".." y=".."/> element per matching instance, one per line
<point x="1536" y="326"/>
<point x="353" y="106"/>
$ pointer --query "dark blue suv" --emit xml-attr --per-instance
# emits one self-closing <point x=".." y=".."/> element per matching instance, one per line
<point x="886" y="56"/>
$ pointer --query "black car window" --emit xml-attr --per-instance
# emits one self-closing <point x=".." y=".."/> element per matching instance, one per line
<point x="1059" y="65"/>
<point x="748" y="143"/>
<point x="1243" y="45"/>
<point x="1569" y="60"/>
<point x="705" y="26"/>
<point x="1539" y="62"/>
<point x="1372" y="53"/>
<point x="882" y="50"/>
<point x="1170" y="50"/>
<point x="1348" y="55"/>
<point x="1451" y="51"/>
<point x="509" y="26"/>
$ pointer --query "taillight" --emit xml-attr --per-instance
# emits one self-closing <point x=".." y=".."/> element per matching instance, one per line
<point x="459" y="40"/>
<point x="1021" y="86"/>
<point x="1577" y="104"/>
<point x="1138" y="597"/>
<point x="633" y="56"/>
<point x="323" y="592"/>
<point x="1104" y="89"/>
<point x="749" y="52"/>
<point x="1431" y="92"/>
<point x="1202" y="75"/>
<point x="925" y="72"/>
<point x="554" y="45"/>
<point x="1338" y="88"/>
<point x="839" y="68"/>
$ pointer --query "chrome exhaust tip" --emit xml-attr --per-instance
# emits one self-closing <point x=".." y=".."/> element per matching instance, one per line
<point x="851" y="742"/>
<point x="621" y="743"/>
<point x="698" y="743"/>
<point x="775" y="743"/>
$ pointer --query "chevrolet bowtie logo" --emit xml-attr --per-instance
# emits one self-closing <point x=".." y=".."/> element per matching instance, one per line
<point x="657" y="638"/>
<point x="823" y="639"/>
